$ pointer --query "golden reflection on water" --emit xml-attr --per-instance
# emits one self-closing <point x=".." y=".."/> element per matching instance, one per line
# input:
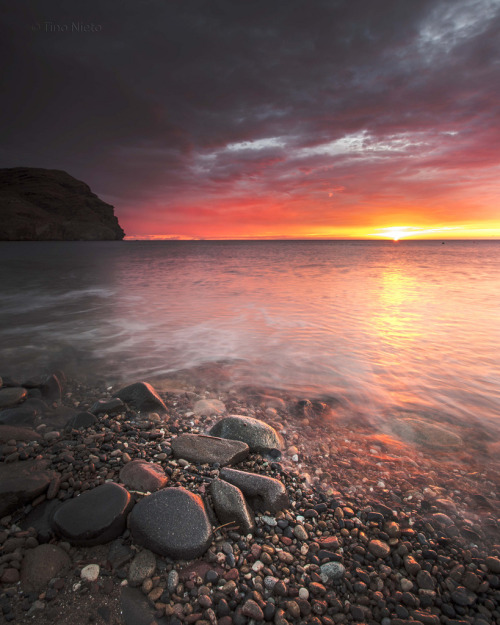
<point x="396" y="322"/>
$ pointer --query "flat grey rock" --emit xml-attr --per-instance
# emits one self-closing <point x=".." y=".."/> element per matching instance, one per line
<point x="263" y="493"/>
<point x="259" y="436"/>
<point x="141" y="396"/>
<point x="231" y="507"/>
<point x="40" y="565"/>
<point x="172" y="522"/>
<point x="209" y="449"/>
<point x="12" y="396"/>
<point x="143" y="476"/>
<point x="21" y="482"/>
<point x="95" y="517"/>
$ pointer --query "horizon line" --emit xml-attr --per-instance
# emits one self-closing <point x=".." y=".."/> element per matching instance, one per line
<point x="160" y="238"/>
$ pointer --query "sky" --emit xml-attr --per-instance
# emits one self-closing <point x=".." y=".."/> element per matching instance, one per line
<point x="263" y="119"/>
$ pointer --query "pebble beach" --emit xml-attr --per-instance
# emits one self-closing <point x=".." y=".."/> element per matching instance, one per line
<point x="143" y="504"/>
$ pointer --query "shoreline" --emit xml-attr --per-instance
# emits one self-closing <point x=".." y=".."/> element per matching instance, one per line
<point x="363" y="488"/>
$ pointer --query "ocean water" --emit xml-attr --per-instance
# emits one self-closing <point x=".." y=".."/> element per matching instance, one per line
<point x="384" y="327"/>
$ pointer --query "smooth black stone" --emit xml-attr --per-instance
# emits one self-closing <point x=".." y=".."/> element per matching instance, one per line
<point x="426" y="601"/>
<point x="222" y="608"/>
<point x="95" y="517"/>
<point x="172" y="522"/>
<point x="269" y="610"/>
<point x="409" y="599"/>
<point x="239" y="619"/>
<point x="358" y="613"/>
<point x="402" y="612"/>
<point x="212" y="577"/>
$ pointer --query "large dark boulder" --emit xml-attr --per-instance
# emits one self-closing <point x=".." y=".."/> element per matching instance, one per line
<point x="172" y="522"/>
<point x="94" y="518"/>
<point x="51" y="205"/>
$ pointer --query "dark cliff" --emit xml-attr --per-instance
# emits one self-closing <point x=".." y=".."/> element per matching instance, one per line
<point x="51" y="205"/>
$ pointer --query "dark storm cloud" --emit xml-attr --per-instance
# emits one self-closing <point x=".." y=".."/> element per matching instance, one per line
<point x="160" y="105"/>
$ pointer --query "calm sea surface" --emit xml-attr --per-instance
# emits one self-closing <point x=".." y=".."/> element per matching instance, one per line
<point x="382" y="326"/>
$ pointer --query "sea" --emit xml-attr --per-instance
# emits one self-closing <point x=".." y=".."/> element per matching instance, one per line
<point x="385" y="328"/>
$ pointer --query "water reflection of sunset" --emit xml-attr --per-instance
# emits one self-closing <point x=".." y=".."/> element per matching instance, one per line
<point x="394" y="318"/>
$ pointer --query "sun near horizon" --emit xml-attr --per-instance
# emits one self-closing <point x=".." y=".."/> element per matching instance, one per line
<point x="394" y="233"/>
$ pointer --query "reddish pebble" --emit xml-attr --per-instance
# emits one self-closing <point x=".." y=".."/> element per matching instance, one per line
<point x="232" y="574"/>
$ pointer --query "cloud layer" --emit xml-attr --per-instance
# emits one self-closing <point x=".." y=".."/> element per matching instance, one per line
<point x="222" y="118"/>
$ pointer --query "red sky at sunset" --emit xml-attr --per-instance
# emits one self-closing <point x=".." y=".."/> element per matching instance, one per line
<point x="325" y="119"/>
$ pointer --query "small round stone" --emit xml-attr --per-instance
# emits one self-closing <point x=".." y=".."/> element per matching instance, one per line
<point x="90" y="573"/>
<point x="303" y="594"/>
<point x="379" y="548"/>
<point x="332" y="571"/>
<point x="300" y="533"/>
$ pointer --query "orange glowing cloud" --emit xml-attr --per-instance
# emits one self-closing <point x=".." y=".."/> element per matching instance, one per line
<point x="336" y="120"/>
